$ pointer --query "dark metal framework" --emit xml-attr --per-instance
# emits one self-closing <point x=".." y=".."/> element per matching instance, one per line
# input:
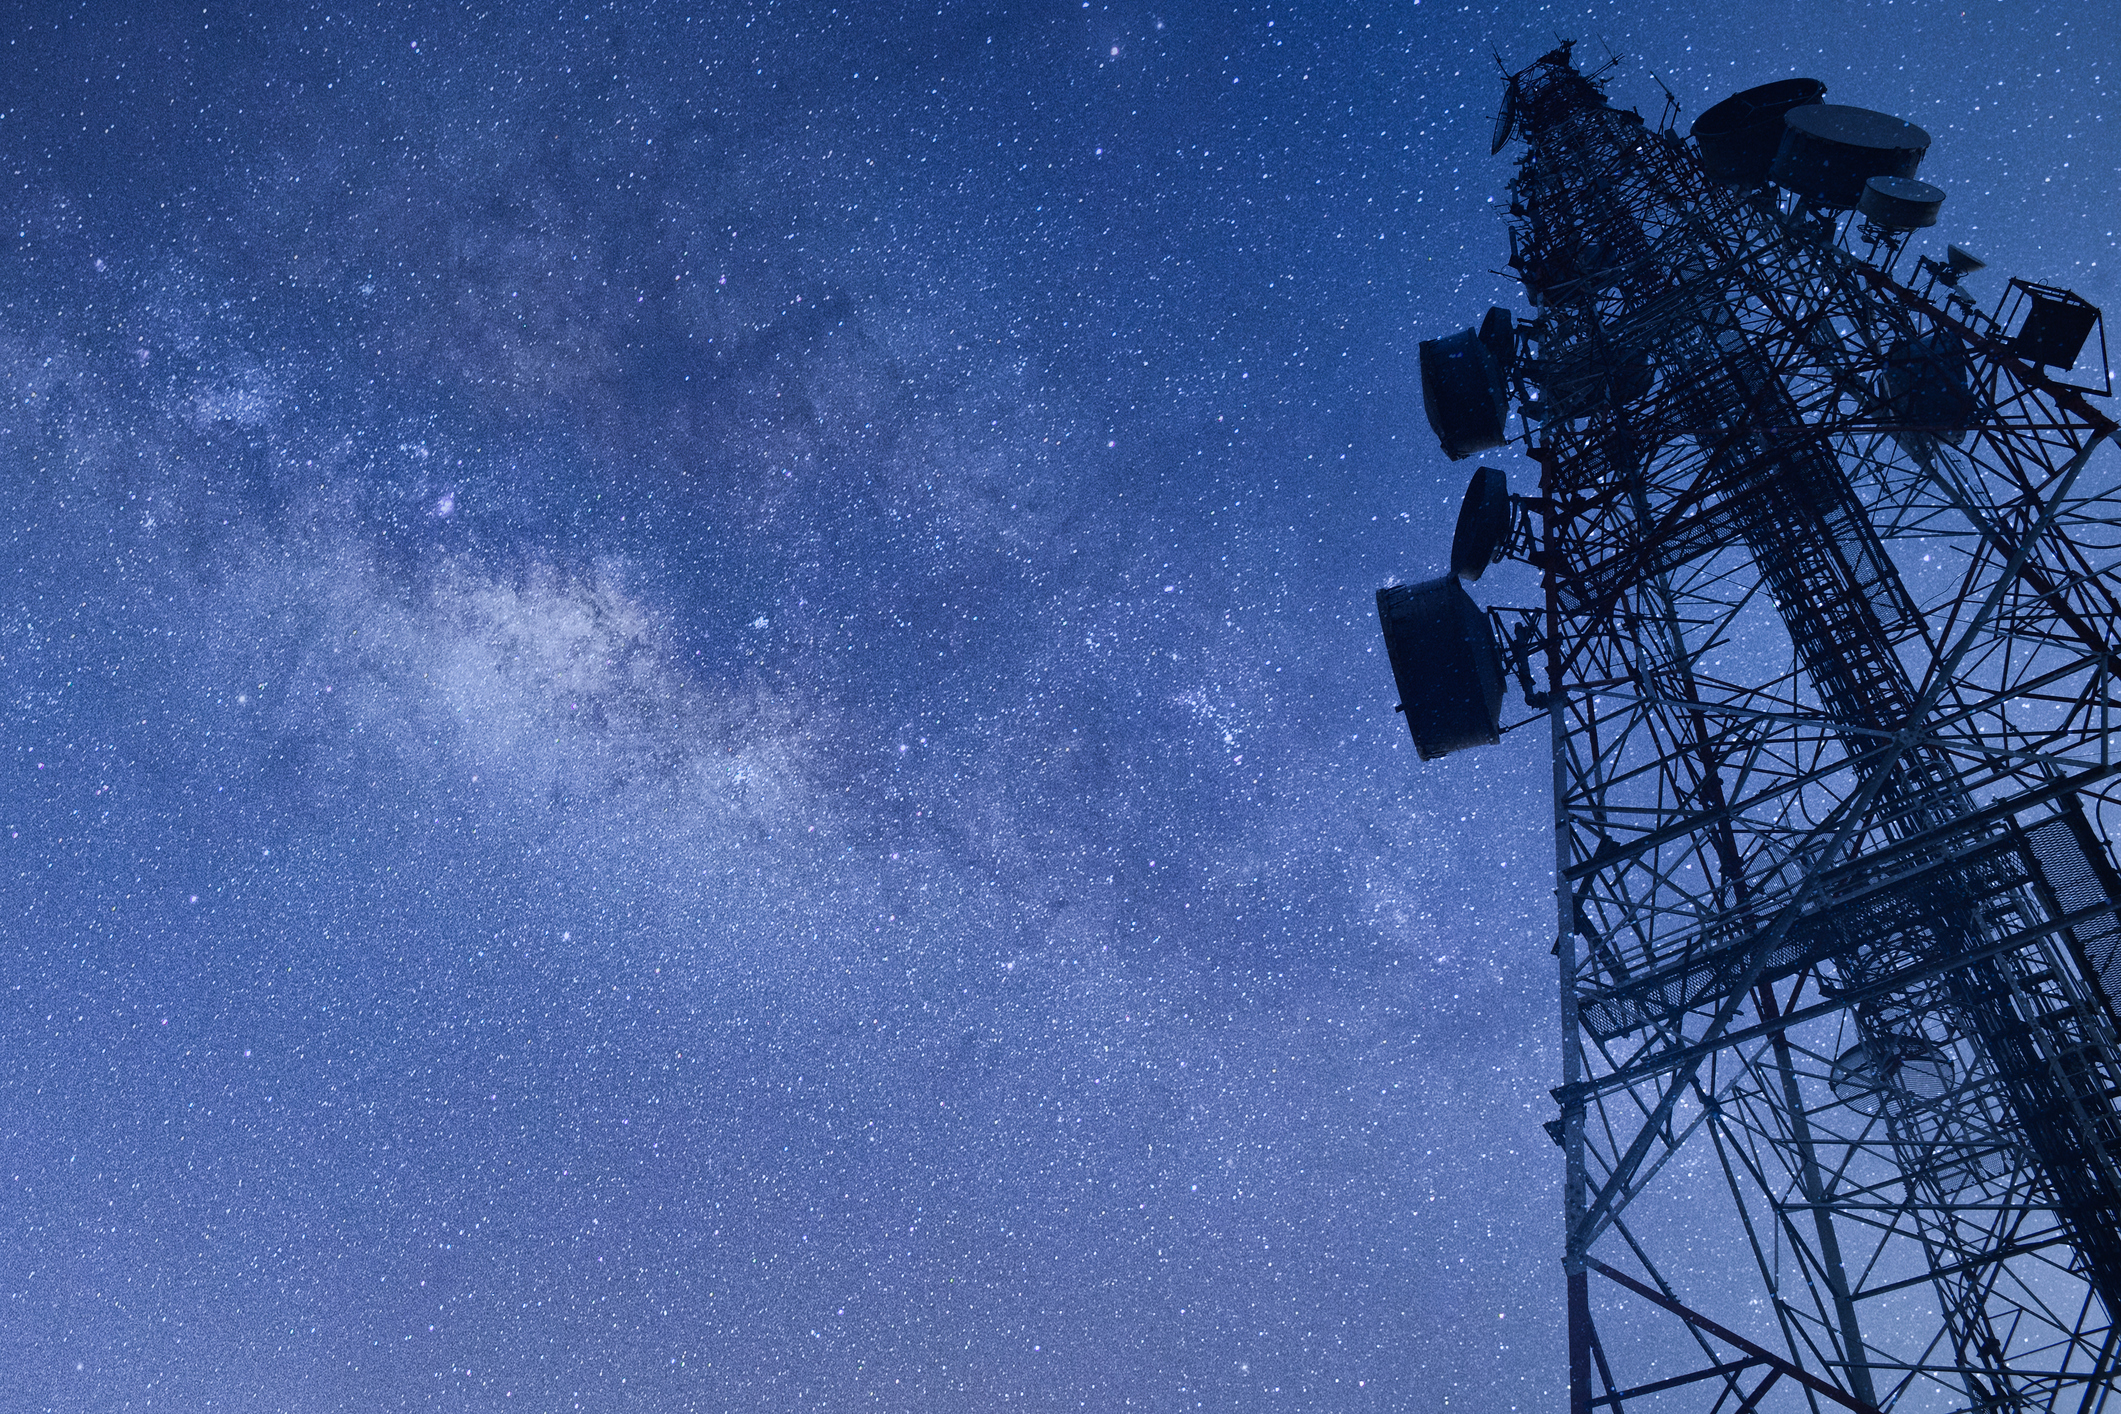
<point x="1832" y="600"/>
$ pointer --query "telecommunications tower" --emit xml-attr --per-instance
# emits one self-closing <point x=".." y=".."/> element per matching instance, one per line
<point x="1828" y="648"/>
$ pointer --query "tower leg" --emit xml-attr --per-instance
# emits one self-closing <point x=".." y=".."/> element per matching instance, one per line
<point x="1579" y="1342"/>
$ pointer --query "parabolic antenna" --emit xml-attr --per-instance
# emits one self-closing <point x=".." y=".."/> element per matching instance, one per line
<point x="1737" y="138"/>
<point x="1446" y="663"/>
<point x="1900" y="203"/>
<point x="1905" y="1067"/>
<point x="1505" y="119"/>
<point x="1829" y="150"/>
<point x="1462" y="391"/>
<point x="1483" y="524"/>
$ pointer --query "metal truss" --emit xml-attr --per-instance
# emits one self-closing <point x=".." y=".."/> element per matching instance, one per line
<point x="1832" y="590"/>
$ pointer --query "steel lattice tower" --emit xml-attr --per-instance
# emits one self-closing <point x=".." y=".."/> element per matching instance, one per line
<point x="1832" y="587"/>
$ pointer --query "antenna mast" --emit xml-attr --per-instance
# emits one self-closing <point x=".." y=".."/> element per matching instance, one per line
<point x="1832" y="588"/>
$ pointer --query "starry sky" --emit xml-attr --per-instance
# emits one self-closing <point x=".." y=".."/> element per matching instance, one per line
<point x="692" y="718"/>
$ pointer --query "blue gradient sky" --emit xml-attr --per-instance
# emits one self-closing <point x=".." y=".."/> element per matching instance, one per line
<point x="692" y="717"/>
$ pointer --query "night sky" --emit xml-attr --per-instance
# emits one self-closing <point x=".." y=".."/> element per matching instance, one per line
<point x="692" y="717"/>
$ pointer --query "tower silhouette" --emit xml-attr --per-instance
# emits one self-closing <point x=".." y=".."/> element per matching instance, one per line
<point x="1832" y="581"/>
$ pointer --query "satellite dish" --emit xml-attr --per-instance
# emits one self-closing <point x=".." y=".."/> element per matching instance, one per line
<point x="1829" y="150"/>
<point x="1737" y="138"/>
<point x="1446" y="663"/>
<point x="1463" y="392"/>
<point x="1963" y="262"/>
<point x="1900" y="203"/>
<point x="1907" y="1068"/>
<point x="1505" y="120"/>
<point x="1483" y="524"/>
